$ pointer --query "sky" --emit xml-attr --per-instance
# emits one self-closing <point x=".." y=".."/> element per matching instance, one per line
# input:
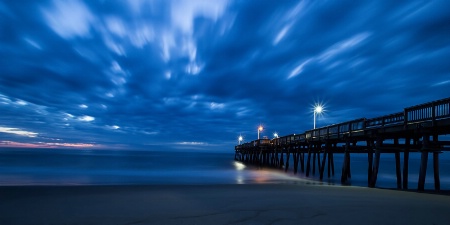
<point x="196" y="74"/>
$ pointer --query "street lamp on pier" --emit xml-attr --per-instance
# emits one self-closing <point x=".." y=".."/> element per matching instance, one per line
<point x="318" y="109"/>
<point x="240" y="139"/>
<point x="260" y="129"/>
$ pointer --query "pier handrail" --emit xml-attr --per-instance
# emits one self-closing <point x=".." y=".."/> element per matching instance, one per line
<point x="430" y="111"/>
<point x="337" y="130"/>
<point x="388" y="120"/>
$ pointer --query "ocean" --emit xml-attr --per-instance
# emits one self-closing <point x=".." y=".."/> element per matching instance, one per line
<point x="114" y="167"/>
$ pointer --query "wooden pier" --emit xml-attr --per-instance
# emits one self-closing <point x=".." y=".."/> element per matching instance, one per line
<point x="415" y="129"/>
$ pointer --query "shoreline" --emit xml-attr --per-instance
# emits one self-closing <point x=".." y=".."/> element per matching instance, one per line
<point x="219" y="204"/>
<point x="307" y="182"/>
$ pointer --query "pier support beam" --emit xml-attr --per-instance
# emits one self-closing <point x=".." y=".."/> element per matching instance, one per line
<point x="302" y="161"/>
<point x="288" y="155"/>
<point x="423" y="163"/>
<point x="261" y="158"/>
<point x="398" y="171"/>
<point x="376" y="162"/>
<point x="349" y="172"/>
<point x="308" y="161"/>
<point x="314" y="163"/>
<point x="406" y="163"/>
<point x="296" y="156"/>
<point x="437" y="181"/>
<point x="332" y="159"/>
<point x="276" y="160"/>
<point x="370" y="146"/>
<point x="422" y="171"/>
<point x="318" y="158"/>
<point x="281" y="159"/>
<point x="332" y="164"/>
<point x="346" y="164"/>
<point x="322" y="168"/>
<point x="329" y="163"/>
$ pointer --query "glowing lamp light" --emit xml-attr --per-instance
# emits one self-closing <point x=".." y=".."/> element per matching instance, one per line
<point x="275" y="135"/>
<point x="240" y="139"/>
<point x="318" y="109"/>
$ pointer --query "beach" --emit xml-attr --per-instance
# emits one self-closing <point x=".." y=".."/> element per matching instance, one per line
<point x="133" y="187"/>
<point x="300" y="203"/>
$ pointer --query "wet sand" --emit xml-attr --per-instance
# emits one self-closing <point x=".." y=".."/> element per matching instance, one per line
<point x="219" y="204"/>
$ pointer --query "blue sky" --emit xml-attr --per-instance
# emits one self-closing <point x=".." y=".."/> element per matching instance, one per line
<point x="193" y="74"/>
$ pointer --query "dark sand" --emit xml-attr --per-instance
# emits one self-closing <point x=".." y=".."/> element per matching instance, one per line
<point x="220" y="204"/>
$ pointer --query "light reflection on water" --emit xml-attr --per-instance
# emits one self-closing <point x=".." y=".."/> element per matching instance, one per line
<point x="239" y="165"/>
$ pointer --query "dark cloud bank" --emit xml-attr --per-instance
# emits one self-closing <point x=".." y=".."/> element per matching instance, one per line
<point x="196" y="74"/>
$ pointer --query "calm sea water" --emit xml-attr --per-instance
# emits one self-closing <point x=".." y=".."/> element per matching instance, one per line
<point x="104" y="167"/>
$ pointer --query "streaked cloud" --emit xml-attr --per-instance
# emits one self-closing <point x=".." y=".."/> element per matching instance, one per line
<point x="281" y="34"/>
<point x="13" y="144"/>
<point x="113" y="127"/>
<point x="342" y="46"/>
<point x="191" y="143"/>
<point x="86" y="118"/>
<point x="297" y="70"/>
<point x="18" y="131"/>
<point x="146" y="73"/>
<point x="69" y="19"/>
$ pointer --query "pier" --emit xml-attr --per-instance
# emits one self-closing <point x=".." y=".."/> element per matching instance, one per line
<point x="416" y="129"/>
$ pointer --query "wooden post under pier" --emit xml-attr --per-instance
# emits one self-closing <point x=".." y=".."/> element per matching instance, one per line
<point x="314" y="162"/>
<point x="288" y="155"/>
<point x="322" y="168"/>
<point x="345" y="165"/>
<point x="406" y="163"/>
<point x="376" y="162"/>
<point x="370" y="146"/>
<point x="437" y="181"/>
<point x="423" y="162"/>
<point x="318" y="158"/>
<point x="296" y="159"/>
<point x="281" y="159"/>
<point x="308" y="161"/>
<point x="302" y="161"/>
<point x="398" y="170"/>
<point x="332" y="164"/>
<point x="397" y="165"/>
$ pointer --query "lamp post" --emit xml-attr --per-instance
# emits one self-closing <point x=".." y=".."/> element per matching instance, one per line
<point x="240" y="139"/>
<point x="260" y="128"/>
<point x="275" y="135"/>
<point x="317" y="110"/>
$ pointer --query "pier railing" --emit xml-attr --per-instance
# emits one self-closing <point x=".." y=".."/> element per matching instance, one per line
<point x="431" y="111"/>
<point x="388" y="120"/>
